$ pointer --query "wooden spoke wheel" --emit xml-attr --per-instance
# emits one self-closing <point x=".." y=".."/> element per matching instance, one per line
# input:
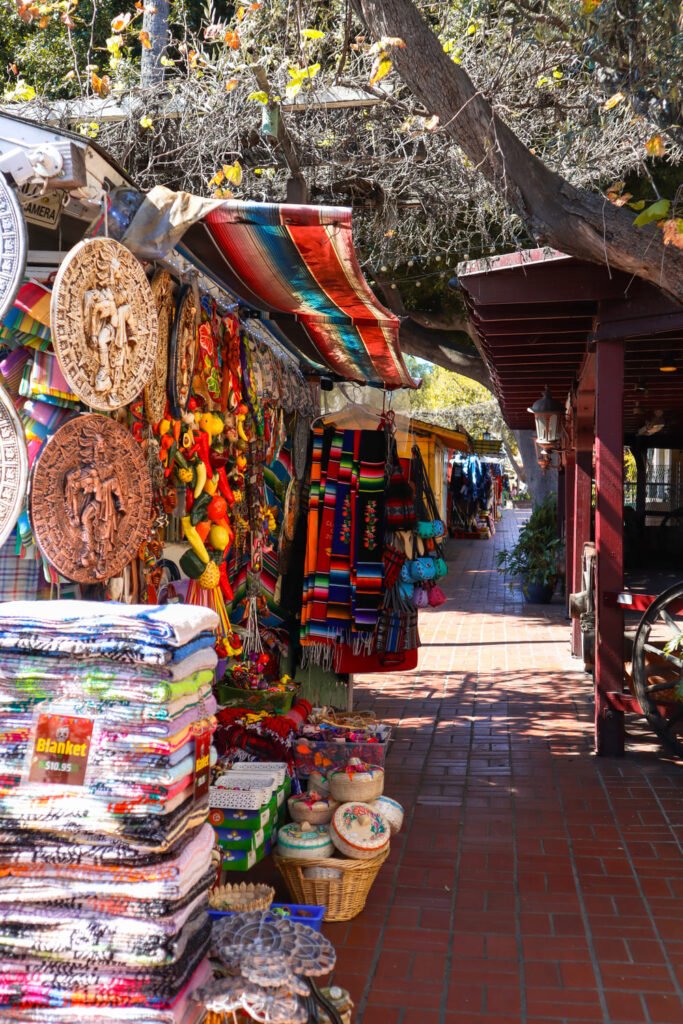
<point x="658" y="666"/>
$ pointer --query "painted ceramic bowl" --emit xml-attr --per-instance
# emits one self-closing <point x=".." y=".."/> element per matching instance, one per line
<point x="358" y="831"/>
<point x="303" y="841"/>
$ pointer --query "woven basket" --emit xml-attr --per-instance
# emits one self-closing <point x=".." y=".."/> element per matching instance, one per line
<point x="241" y="897"/>
<point x="362" y="786"/>
<point x="298" y="811"/>
<point x="343" y="898"/>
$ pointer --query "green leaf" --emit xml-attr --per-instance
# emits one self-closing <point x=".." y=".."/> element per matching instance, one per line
<point x="639" y="204"/>
<point x="657" y="211"/>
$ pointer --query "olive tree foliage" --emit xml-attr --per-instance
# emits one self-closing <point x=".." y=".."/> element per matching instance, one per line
<point x="249" y="96"/>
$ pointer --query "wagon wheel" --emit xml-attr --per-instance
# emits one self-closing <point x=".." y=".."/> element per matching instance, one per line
<point x="658" y="672"/>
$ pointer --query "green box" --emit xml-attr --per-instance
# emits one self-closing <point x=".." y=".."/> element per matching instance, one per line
<point x="244" y="860"/>
<point x="226" y="817"/>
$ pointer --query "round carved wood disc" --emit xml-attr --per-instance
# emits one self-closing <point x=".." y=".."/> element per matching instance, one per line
<point x="13" y="466"/>
<point x="155" y="390"/>
<point x="183" y="350"/>
<point x="104" y="324"/>
<point x="12" y="245"/>
<point x="90" y="499"/>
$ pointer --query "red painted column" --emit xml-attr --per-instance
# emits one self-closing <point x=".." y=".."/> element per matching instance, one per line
<point x="569" y="496"/>
<point x="583" y="497"/>
<point x="584" y="437"/>
<point x="609" y="540"/>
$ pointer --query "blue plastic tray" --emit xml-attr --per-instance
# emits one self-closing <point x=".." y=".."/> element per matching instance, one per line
<point x="312" y="916"/>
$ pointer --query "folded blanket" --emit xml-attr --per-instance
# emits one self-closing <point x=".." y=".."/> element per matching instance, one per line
<point x="79" y="625"/>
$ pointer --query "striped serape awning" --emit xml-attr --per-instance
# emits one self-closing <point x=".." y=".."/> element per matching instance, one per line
<point x="298" y="264"/>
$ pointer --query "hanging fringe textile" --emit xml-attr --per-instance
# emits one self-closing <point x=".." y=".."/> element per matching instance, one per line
<point x="344" y="571"/>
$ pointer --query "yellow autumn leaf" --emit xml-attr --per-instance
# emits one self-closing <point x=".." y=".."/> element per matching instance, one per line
<point x="101" y="86"/>
<point x="143" y="36"/>
<point x="120" y="23"/>
<point x="656" y="146"/>
<point x="258" y="97"/>
<point x="241" y="11"/>
<point x="167" y="62"/>
<point x="673" y="232"/>
<point x="313" y="33"/>
<point x="613" y="101"/>
<point x="232" y="39"/>
<point x="233" y="173"/>
<point x="217" y="178"/>
<point x="299" y="75"/>
<point x="146" y="121"/>
<point x="588" y="6"/>
<point x="231" y="83"/>
<point x="380" y="69"/>
<point x="471" y="29"/>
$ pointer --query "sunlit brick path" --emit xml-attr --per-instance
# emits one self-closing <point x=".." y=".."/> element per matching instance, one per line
<point x="532" y="882"/>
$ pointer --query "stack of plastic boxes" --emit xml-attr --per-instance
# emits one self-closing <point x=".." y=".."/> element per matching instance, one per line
<point x="248" y="804"/>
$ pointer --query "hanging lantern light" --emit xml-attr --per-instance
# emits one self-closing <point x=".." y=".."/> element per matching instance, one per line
<point x="547" y="413"/>
<point x="545" y="459"/>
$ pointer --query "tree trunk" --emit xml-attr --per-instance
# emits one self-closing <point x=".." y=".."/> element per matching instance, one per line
<point x="579" y="223"/>
<point x="155" y="23"/>
<point x="541" y="483"/>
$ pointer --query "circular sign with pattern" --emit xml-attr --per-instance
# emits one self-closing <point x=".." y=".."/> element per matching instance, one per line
<point x="183" y="350"/>
<point x="104" y="324"/>
<point x="90" y="499"/>
<point x="12" y="245"/>
<point x="13" y="466"/>
<point x="155" y="390"/>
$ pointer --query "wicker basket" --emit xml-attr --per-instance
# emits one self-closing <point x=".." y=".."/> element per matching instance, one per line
<point x="361" y="786"/>
<point x="241" y="898"/>
<point x="343" y="898"/>
<point x="300" y="811"/>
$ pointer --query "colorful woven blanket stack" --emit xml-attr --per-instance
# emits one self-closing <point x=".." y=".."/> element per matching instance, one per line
<point x="106" y="718"/>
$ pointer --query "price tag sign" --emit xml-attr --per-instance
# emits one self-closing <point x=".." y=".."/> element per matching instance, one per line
<point x="202" y="765"/>
<point x="61" y="748"/>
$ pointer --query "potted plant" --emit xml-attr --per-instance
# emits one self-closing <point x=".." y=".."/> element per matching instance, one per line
<point x="536" y="557"/>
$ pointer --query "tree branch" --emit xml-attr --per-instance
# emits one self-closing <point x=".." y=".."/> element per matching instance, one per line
<point x="577" y="222"/>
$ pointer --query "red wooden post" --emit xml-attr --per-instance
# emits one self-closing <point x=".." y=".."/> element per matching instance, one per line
<point x="609" y="540"/>
<point x="569" y="497"/>
<point x="584" y="432"/>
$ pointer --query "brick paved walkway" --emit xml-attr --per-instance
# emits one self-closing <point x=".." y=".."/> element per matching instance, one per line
<point x="532" y="882"/>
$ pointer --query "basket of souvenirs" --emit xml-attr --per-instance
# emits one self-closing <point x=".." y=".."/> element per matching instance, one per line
<point x="254" y="685"/>
<point x="330" y="740"/>
<point x="341" y="886"/>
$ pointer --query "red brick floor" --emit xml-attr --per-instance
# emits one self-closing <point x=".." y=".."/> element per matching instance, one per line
<point x="532" y="881"/>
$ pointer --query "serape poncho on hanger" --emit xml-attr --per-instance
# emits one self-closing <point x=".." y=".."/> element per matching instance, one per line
<point x="344" y="568"/>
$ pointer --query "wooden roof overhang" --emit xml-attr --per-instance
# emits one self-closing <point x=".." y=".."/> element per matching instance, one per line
<point x="539" y="313"/>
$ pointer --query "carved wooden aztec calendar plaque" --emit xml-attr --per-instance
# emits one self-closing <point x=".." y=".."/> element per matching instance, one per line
<point x="104" y="324"/>
<point x="91" y="499"/>
<point x="12" y="246"/>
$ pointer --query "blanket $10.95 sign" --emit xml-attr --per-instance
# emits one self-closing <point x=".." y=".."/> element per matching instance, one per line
<point x="61" y="749"/>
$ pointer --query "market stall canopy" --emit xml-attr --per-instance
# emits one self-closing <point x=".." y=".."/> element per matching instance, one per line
<point x="296" y="264"/>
